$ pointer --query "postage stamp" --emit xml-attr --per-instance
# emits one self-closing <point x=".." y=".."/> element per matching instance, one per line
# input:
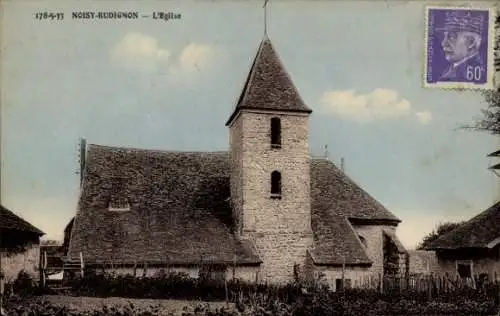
<point x="459" y="47"/>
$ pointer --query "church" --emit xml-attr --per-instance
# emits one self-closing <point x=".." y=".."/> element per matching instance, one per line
<point x="263" y="211"/>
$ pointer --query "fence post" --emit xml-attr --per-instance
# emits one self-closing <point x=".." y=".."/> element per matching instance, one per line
<point x="234" y="266"/>
<point x="44" y="269"/>
<point x="81" y="265"/>
<point x="381" y="281"/>
<point x="1" y="286"/>
<point x="497" y="288"/>
<point x="343" y="274"/>
<point x="227" y="292"/>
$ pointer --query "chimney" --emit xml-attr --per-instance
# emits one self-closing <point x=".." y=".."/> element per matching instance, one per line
<point x="342" y="164"/>
<point x="495" y="168"/>
<point x="326" y="152"/>
<point x="83" y="152"/>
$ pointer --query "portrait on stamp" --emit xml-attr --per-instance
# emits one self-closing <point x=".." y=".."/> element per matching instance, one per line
<point x="458" y="46"/>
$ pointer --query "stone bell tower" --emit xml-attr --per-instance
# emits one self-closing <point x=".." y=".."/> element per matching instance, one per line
<point x="270" y="167"/>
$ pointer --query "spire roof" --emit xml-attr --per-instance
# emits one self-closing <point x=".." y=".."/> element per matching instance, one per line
<point x="268" y="85"/>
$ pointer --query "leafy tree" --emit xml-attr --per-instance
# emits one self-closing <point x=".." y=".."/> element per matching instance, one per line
<point x="436" y="233"/>
<point x="490" y="120"/>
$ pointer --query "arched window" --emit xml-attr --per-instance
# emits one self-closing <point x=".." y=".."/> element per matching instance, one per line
<point x="275" y="183"/>
<point x="275" y="132"/>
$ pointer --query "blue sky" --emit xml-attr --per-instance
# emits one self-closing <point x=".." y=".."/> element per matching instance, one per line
<point x="172" y="85"/>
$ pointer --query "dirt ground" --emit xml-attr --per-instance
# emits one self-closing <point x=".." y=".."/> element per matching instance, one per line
<point x="92" y="303"/>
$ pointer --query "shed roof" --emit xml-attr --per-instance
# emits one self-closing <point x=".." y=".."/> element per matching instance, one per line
<point x="10" y="221"/>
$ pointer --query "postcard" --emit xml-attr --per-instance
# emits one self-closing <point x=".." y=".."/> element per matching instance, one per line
<point x="250" y="157"/>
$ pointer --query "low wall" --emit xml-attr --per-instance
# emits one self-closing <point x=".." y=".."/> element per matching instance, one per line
<point x="243" y="273"/>
<point x="354" y="277"/>
<point x="151" y="272"/>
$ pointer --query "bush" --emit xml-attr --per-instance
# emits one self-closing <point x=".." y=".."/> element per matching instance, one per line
<point x="23" y="285"/>
<point x="46" y="308"/>
<point x="309" y="305"/>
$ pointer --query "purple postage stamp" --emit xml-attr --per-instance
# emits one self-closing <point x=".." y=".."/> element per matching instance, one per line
<point x="459" y="48"/>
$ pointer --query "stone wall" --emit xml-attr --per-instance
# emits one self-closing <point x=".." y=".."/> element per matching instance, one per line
<point x="13" y="263"/>
<point x="357" y="277"/>
<point x="373" y="235"/>
<point x="246" y="274"/>
<point x="479" y="266"/>
<point x="280" y="227"/>
<point x="423" y="262"/>
<point x="427" y="262"/>
<point x="236" y="179"/>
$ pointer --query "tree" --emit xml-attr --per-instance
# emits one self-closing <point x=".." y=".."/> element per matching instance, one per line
<point x="436" y="233"/>
<point x="490" y="120"/>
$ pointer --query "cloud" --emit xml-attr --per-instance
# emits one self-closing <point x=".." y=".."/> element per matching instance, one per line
<point x="196" y="57"/>
<point x="140" y="52"/>
<point x="193" y="61"/>
<point x="424" y="117"/>
<point x="380" y="104"/>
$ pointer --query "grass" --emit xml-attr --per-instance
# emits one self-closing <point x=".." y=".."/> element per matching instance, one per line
<point x="92" y="303"/>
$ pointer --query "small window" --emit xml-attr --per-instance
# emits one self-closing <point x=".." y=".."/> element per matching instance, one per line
<point x="118" y="205"/>
<point x="276" y="184"/>
<point x="275" y="132"/>
<point x="363" y="240"/>
<point x="464" y="270"/>
<point x="340" y="284"/>
<point x="215" y="274"/>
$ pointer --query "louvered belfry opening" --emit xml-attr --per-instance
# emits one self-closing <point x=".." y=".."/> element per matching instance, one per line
<point x="275" y="132"/>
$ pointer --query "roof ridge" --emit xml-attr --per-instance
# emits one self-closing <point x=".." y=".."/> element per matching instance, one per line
<point x="157" y="150"/>
<point x="478" y="217"/>
<point x="131" y="148"/>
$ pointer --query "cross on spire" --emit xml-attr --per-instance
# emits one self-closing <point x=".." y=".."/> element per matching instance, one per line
<point x="265" y="16"/>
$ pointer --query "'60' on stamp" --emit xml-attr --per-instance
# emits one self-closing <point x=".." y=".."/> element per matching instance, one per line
<point x="459" y="48"/>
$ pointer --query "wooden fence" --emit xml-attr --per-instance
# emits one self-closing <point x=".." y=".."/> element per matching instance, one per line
<point x="431" y="285"/>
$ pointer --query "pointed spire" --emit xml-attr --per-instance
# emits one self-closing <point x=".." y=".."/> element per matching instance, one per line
<point x="268" y="85"/>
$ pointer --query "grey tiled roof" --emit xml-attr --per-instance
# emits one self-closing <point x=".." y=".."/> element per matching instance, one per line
<point x="332" y="189"/>
<point x="180" y="211"/>
<point x="477" y="232"/>
<point x="268" y="85"/>
<point x="9" y="220"/>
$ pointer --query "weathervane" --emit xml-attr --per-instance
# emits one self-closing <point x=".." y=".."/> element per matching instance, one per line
<point x="265" y="16"/>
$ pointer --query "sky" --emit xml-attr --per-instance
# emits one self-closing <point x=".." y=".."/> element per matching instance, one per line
<point x="173" y="84"/>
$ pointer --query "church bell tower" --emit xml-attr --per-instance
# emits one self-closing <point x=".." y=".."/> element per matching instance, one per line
<point x="270" y="167"/>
